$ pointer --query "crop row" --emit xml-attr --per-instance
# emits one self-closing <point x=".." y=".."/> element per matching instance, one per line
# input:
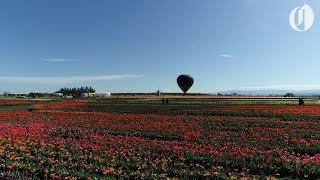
<point x="91" y="144"/>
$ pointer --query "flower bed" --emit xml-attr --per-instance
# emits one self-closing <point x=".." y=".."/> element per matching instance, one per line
<point x="91" y="144"/>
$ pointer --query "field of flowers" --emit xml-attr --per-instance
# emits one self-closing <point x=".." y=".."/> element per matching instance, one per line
<point x="269" y="109"/>
<point x="13" y="102"/>
<point x="63" y="140"/>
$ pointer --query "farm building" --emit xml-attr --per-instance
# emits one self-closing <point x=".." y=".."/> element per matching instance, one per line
<point x="97" y="95"/>
<point x="86" y="95"/>
<point x="58" y="94"/>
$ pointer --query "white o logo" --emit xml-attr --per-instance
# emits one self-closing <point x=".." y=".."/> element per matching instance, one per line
<point x="305" y="17"/>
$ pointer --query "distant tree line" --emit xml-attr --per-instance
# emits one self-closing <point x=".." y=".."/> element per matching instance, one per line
<point x="39" y="95"/>
<point x="231" y="94"/>
<point x="75" y="92"/>
<point x="289" y="95"/>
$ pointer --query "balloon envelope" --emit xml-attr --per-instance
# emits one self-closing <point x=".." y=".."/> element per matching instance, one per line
<point x="185" y="82"/>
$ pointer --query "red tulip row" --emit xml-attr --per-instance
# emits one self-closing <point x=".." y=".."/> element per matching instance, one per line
<point x="60" y="105"/>
<point x="78" y="144"/>
<point x="259" y="110"/>
<point x="12" y="102"/>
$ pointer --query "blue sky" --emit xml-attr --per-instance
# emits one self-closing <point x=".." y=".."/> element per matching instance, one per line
<point x="134" y="46"/>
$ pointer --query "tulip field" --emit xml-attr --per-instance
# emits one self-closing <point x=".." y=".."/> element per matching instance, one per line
<point x="109" y="139"/>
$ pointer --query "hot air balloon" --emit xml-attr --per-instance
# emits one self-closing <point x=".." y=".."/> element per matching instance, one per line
<point x="185" y="82"/>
